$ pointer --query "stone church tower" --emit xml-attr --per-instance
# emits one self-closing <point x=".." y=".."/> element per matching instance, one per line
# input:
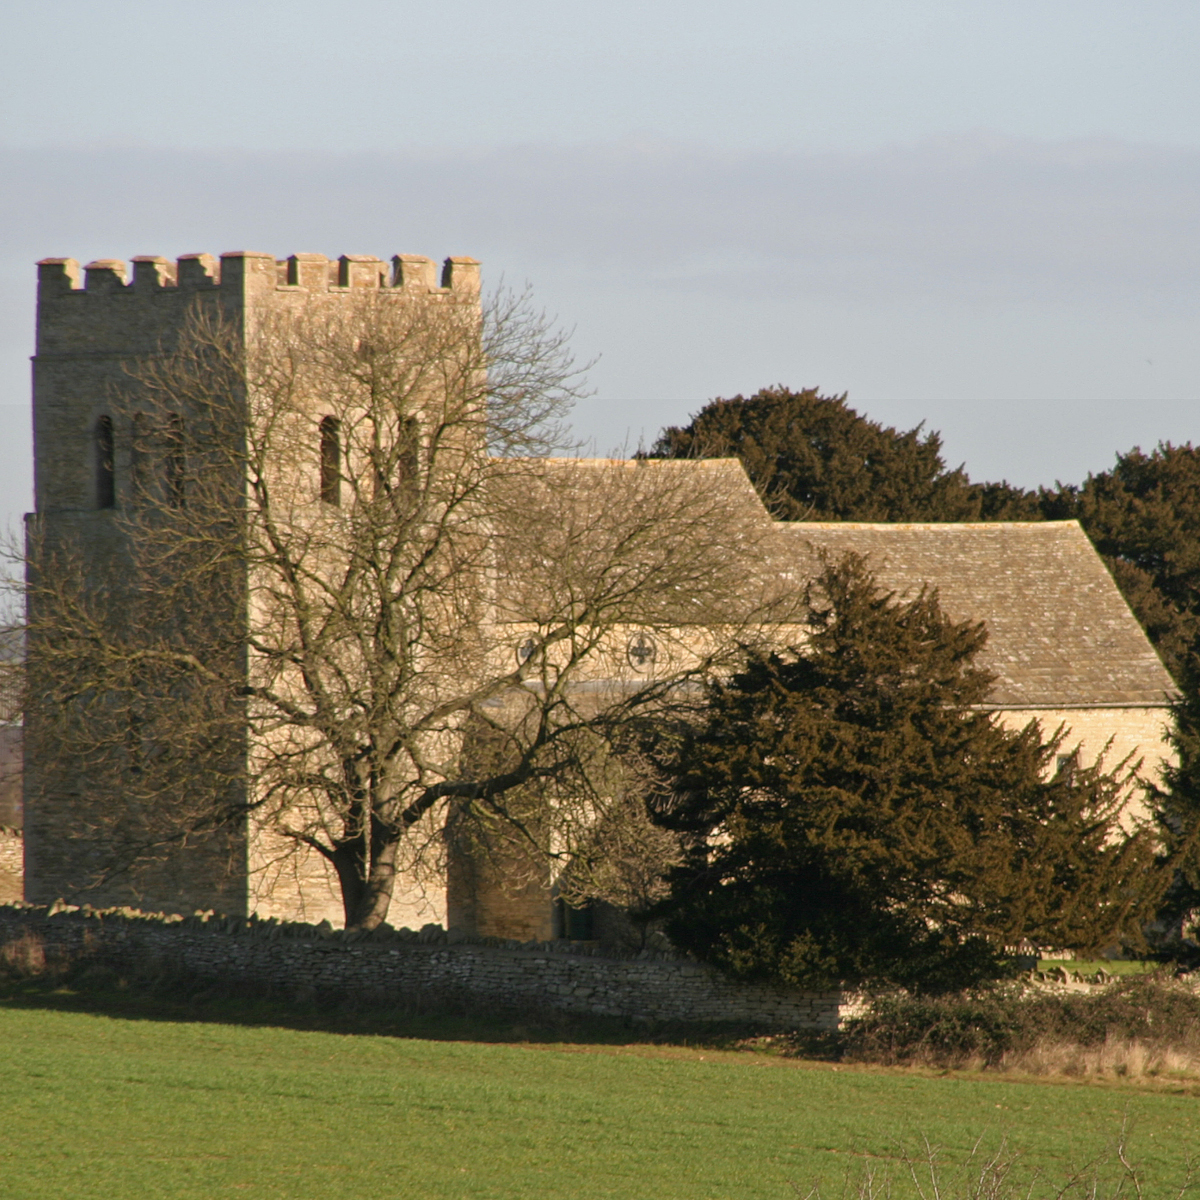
<point x="92" y="332"/>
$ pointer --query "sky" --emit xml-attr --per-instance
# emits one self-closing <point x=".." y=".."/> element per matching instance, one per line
<point x="981" y="215"/>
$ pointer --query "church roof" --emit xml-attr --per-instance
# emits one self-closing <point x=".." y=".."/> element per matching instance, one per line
<point x="718" y="479"/>
<point x="665" y="542"/>
<point x="1059" y="632"/>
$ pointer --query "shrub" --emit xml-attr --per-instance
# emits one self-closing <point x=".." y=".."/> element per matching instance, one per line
<point x="1010" y="1027"/>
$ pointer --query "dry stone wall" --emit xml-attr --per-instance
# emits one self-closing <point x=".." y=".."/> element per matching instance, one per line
<point x="403" y="967"/>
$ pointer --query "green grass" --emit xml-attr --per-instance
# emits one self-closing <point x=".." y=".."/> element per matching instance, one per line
<point x="102" y="1106"/>
<point x="1113" y="966"/>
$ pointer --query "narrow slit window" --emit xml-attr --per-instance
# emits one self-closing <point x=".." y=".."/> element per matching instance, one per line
<point x="331" y="460"/>
<point x="139" y="458"/>
<point x="174" y="463"/>
<point x="106" y="481"/>
<point x="397" y="466"/>
<point x="408" y="464"/>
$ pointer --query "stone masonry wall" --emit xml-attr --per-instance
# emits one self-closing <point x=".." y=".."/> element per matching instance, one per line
<point x="405" y="967"/>
<point x="11" y="816"/>
<point x="1136" y="734"/>
<point x="12" y="851"/>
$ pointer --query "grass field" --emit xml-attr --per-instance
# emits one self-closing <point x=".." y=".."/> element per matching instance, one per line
<point x="102" y="1106"/>
<point x="1113" y="966"/>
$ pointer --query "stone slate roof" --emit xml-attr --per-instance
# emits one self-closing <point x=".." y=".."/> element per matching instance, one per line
<point x="697" y="521"/>
<point x="725" y="478"/>
<point x="1060" y="633"/>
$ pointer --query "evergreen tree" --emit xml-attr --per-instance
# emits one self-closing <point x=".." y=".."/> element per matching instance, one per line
<point x="1144" y="518"/>
<point x="813" y="458"/>
<point x="1178" y="805"/>
<point x="853" y="816"/>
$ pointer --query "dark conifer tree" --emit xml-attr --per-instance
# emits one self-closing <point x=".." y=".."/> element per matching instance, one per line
<point x="1144" y="517"/>
<point x="813" y="458"/>
<point x="1178" y="804"/>
<point x="853" y="815"/>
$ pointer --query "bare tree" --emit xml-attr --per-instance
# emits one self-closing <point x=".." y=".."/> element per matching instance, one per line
<point x="356" y="598"/>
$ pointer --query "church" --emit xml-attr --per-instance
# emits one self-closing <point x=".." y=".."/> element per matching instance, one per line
<point x="1063" y="645"/>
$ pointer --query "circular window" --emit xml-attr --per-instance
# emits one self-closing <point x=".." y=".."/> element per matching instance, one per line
<point x="641" y="652"/>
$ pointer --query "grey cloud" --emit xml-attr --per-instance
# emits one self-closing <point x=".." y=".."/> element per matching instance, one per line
<point x="976" y="267"/>
<point x="976" y="217"/>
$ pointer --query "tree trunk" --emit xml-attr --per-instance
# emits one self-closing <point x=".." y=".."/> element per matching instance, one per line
<point x="366" y="894"/>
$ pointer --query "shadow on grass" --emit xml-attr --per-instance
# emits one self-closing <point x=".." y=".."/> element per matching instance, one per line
<point x="102" y="991"/>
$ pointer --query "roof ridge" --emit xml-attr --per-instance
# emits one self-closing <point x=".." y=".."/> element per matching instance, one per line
<point x="929" y="524"/>
<point x="600" y="460"/>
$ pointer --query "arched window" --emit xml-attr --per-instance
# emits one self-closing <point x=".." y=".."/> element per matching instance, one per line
<point x="331" y="460"/>
<point x="106" y="482"/>
<point x="174" y="460"/>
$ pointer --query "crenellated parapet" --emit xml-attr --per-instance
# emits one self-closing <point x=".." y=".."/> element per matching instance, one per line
<point x="238" y="270"/>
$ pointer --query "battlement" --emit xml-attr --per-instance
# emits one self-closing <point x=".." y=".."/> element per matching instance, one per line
<point x="238" y="269"/>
